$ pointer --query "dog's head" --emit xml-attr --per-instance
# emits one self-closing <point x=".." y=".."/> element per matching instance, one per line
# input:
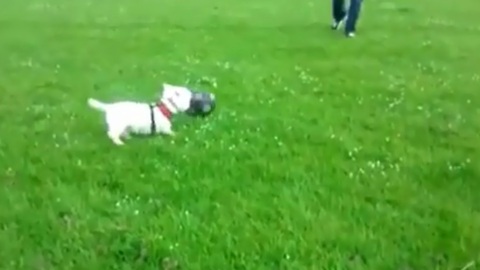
<point x="176" y="98"/>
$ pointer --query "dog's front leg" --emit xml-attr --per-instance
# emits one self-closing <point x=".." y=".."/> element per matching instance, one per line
<point x="166" y="129"/>
<point x="169" y="132"/>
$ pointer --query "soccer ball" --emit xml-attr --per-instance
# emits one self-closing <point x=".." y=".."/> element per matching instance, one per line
<point x="201" y="104"/>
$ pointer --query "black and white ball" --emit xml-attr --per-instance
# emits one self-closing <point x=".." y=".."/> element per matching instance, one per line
<point x="201" y="104"/>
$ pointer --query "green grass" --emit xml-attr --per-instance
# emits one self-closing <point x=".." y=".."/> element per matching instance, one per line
<point x="323" y="153"/>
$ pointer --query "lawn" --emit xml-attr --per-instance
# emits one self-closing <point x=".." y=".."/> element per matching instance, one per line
<point x="323" y="153"/>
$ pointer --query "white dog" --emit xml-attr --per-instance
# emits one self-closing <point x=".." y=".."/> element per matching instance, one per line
<point x="127" y="117"/>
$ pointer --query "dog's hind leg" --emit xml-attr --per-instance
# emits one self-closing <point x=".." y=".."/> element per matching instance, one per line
<point x="116" y="127"/>
<point x="126" y="134"/>
<point x="115" y="132"/>
<point x="115" y="136"/>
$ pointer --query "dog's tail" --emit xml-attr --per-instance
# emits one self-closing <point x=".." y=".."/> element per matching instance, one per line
<point x="97" y="105"/>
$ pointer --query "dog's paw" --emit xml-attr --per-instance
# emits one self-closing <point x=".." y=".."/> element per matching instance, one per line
<point x="168" y="132"/>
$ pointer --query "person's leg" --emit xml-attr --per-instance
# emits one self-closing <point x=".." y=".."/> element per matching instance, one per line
<point x="352" y="17"/>
<point x="338" y="12"/>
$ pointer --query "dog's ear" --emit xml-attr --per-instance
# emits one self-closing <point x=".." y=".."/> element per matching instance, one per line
<point x="166" y="90"/>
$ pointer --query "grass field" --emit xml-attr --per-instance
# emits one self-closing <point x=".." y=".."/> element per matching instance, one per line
<point x="323" y="153"/>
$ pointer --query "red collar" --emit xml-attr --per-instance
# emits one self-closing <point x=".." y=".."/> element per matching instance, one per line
<point x="163" y="109"/>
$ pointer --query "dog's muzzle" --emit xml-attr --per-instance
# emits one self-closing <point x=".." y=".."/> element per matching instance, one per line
<point x="201" y="104"/>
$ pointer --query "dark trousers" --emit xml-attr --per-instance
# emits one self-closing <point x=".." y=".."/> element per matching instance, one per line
<point x="339" y="12"/>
